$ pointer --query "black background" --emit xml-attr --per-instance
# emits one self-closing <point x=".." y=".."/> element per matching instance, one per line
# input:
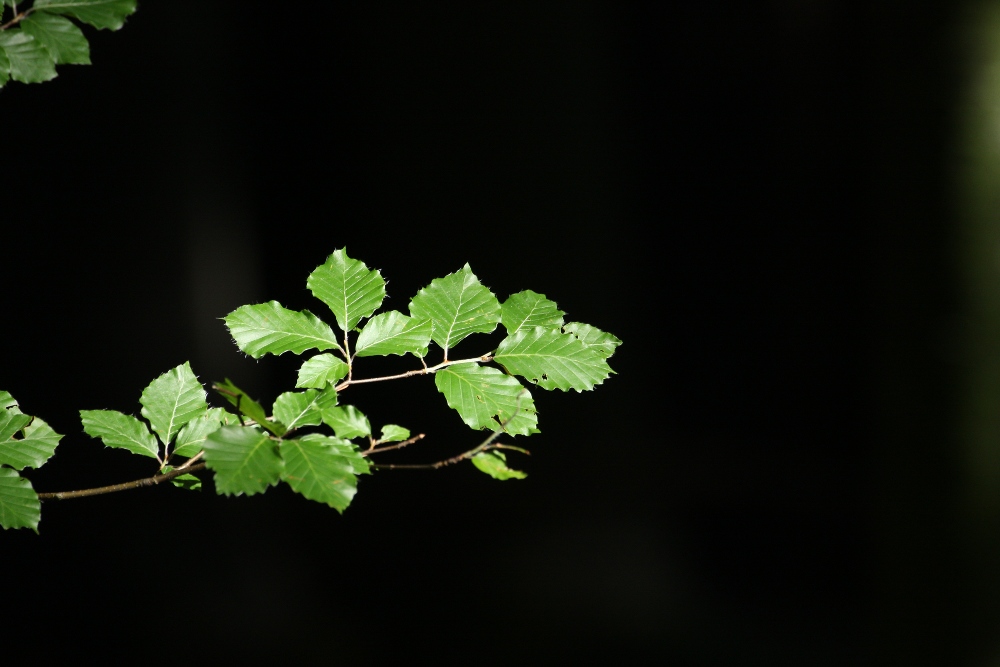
<point x="752" y="196"/>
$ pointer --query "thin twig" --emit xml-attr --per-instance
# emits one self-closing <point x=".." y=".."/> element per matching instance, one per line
<point x="398" y="445"/>
<point x="148" y="481"/>
<point x="17" y="17"/>
<point x="426" y="370"/>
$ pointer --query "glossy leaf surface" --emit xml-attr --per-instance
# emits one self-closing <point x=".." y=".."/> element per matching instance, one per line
<point x="61" y="38"/>
<point x="120" y="430"/>
<point x="270" y="328"/>
<point x="317" y="371"/>
<point x="552" y="360"/>
<point x="247" y="406"/>
<point x="323" y="469"/>
<point x="244" y="458"/>
<point x="172" y="400"/>
<point x="393" y="433"/>
<point x="604" y="343"/>
<point x="347" y="422"/>
<point x="19" y="505"/>
<point x="484" y="397"/>
<point x="36" y="445"/>
<point x="348" y="287"/>
<point x="109" y="14"/>
<point x="191" y="438"/>
<point x="296" y="409"/>
<point x="394" y="333"/>
<point x="27" y="59"/>
<point x="528" y="309"/>
<point x="457" y="305"/>
<point x="494" y="464"/>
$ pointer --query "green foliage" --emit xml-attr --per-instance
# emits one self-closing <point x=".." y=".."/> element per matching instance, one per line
<point x="252" y="450"/>
<point x="37" y="38"/>
<point x="25" y="442"/>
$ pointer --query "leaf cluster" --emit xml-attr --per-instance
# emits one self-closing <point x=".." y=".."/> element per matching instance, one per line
<point x="33" y="40"/>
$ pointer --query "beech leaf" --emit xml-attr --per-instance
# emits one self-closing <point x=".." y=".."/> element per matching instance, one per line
<point x="270" y="328"/>
<point x="457" y="305"/>
<point x="553" y="360"/>
<point x="348" y="287"/>
<point x="484" y="397"/>
<point x="244" y="458"/>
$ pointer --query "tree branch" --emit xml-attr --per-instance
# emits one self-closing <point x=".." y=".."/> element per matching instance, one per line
<point x="148" y="481"/>
<point x="426" y="370"/>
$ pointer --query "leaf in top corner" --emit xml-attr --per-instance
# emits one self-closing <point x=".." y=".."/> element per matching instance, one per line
<point x="28" y="59"/>
<point x="457" y="305"/>
<point x="19" y="505"/>
<point x="590" y="336"/>
<point x="484" y="397"/>
<point x="120" y="431"/>
<point x="552" y="360"/>
<point x="347" y="422"/>
<point x="244" y="458"/>
<point x="393" y="433"/>
<point x="270" y="328"/>
<point x="494" y="464"/>
<point x="172" y="400"/>
<point x="63" y="39"/>
<point x="317" y="371"/>
<point x="348" y="287"/>
<point x="528" y="309"/>
<point x="37" y="446"/>
<point x="296" y="409"/>
<point x="247" y="406"/>
<point x="323" y="469"/>
<point x="394" y="333"/>
<point x="101" y="14"/>
<point x="191" y="438"/>
<point x="6" y="400"/>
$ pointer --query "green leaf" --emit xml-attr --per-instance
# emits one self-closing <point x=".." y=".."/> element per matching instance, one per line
<point x="296" y="409"/>
<point x="457" y="305"/>
<point x="323" y="469"/>
<point x="348" y="287"/>
<point x="99" y="13"/>
<point x="528" y="309"/>
<point x="191" y="438"/>
<point x="319" y="370"/>
<point x="19" y="505"/>
<point x="12" y="421"/>
<point x="553" y="360"/>
<point x="347" y="422"/>
<point x="394" y="333"/>
<point x="244" y="458"/>
<point x="393" y="433"/>
<point x="247" y="406"/>
<point x="28" y="60"/>
<point x="6" y="400"/>
<point x="172" y="400"/>
<point x="34" y="449"/>
<point x="494" y="464"/>
<point x="4" y="68"/>
<point x="603" y="343"/>
<point x="65" y="42"/>
<point x="272" y="328"/>
<point x="120" y="431"/>
<point x="484" y="397"/>
<point x="188" y="482"/>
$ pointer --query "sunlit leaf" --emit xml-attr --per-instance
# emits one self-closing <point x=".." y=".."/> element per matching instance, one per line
<point x="12" y="421"/>
<point x="270" y="328"/>
<point x="119" y="430"/>
<point x="553" y="360"/>
<point x="593" y="337"/>
<point x="484" y="397"/>
<point x="323" y="469"/>
<point x="244" y="458"/>
<point x="189" y="482"/>
<point x="393" y="433"/>
<point x="19" y="505"/>
<point x="191" y="438"/>
<point x="6" y="400"/>
<point x="394" y="333"/>
<point x="35" y="447"/>
<point x="347" y="422"/>
<point x="348" y="287"/>
<point x="61" y="37"/>
<point x="457" y="305"/>
<point x="528" y="309"/>
<point x="172" y="400"/>
<point x="296" y="409"/>
<point x="317" y="371"/>
<point x="27" y="58"/>
<point x="494" y="464"/>
<point x="109" y="14"/>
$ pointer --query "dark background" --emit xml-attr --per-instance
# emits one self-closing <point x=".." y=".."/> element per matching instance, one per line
<point x="753" y="196"/>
